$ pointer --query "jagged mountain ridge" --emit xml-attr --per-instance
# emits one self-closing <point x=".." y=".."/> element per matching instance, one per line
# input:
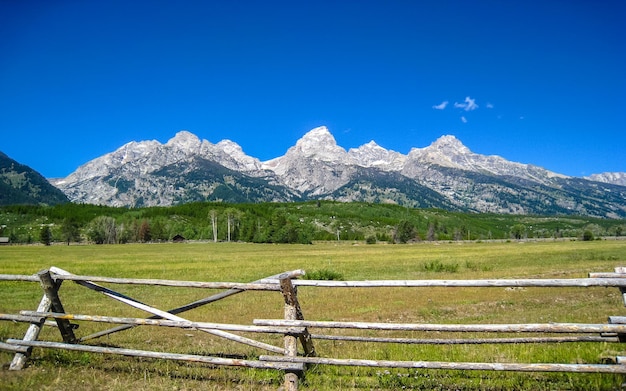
<point x="184" y="169"/>
<point x="445" y="174"/>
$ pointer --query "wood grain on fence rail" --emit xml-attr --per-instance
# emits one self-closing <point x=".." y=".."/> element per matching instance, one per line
<point x="549" y="283"/>
<point x="270" y="283"/>
<point x="19" y="277"/>
<point x="490" y="328"/>
<point x="187" y="324"/>
<point x="266" y="364"/>
<point x="13" y="348"/>
<point x="244" y="286"/>
<point x="465" y="341"/>
<point x="21" y="318"/>
<point x="543" y="367"/>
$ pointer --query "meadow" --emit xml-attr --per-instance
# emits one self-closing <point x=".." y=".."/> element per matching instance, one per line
<point x="243" y="262"/>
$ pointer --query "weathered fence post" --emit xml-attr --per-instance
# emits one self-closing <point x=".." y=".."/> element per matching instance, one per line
<point x="621" y="270"/>
<point x="622" y="290"/>
<point x="291" y="342"/>
<point x="51" y="289"/>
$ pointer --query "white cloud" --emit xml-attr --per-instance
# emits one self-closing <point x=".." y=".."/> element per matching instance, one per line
<point x="463" y="119"/>
<point x="441" y="106"/>
<point x="469" y="105"/>
<point x="489" y="105"/>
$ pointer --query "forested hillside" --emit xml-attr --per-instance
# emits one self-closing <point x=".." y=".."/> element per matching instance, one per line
<point x="19" y="184"/>
<point x="283" y="223"/>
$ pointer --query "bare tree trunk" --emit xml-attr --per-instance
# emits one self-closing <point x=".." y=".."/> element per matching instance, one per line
<point x="214" y="224"/>
<point x="229" y="218"/>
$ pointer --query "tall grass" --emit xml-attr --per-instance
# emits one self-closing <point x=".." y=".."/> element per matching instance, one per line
<point x="351" y="261"/>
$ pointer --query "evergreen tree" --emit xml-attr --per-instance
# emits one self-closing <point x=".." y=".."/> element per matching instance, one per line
<point x="157" y="230"/>
<point x="45" y="235"/>
<point x="405" y="231"/>
<point x="70" y="230"/>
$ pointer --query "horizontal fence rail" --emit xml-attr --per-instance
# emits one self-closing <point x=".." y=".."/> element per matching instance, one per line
<point x="186" y="324"/>
<point x="473" y="328"/>
<point x="603" y="280"/>
<point x="503" y="283"/>
<point x="467" y="341"/>
<point x="265" y="364"/>
<point x="547" y="367"/>
<point x="19" y="277"/>
<point x="295" y="328"/>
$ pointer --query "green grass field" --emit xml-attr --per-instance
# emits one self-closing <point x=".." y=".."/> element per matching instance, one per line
<point x="54" y="369"/>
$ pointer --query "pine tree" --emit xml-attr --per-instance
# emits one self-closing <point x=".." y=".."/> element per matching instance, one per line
<point x="45" y="235"/>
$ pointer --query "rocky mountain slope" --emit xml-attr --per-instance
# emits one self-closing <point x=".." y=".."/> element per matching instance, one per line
<point x="20" y="184"/>
<point x="445" y="174"/>
<point x="615" y="178"/>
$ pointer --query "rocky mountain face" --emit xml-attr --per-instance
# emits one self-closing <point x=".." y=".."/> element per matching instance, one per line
<point x="616" y="178"/>
<point x="20" y="184"/>
<point x="185" y="169"/>
<point x="445" y="174"/>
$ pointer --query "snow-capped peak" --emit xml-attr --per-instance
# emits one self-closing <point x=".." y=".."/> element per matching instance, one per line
<point x="318" y="143"/>
<point x="446" y="151"/>
<point x="230" y="147"/>
<point x="372" y="146"/>
<point x="449" y="145"/>
<point x="185" y="140"/>
<point x="373" y="155"/>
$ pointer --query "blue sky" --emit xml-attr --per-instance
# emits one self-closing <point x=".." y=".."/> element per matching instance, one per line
<point x="540" y="82"/>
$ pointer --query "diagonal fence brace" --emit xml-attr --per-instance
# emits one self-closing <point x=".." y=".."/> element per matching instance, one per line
<point x="196" y="304"/>
<point x="166" y="315"/>
<point x="32" y="333"/>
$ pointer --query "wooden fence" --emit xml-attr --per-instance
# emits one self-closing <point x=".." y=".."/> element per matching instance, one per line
<point x="294" y="328"/>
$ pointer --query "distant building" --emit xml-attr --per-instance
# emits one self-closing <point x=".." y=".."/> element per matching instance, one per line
<point x="178" y="239"/>
<point x="4" y="240"/>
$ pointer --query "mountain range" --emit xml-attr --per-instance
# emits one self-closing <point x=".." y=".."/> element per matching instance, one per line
<point x="445" y="174"/>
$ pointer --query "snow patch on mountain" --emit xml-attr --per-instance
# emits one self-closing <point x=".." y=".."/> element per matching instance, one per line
<point x="373" y="155"/>
<point x="615" y="178"/>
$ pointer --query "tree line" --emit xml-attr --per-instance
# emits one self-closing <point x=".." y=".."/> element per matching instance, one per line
<point x="283" y="223"/>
